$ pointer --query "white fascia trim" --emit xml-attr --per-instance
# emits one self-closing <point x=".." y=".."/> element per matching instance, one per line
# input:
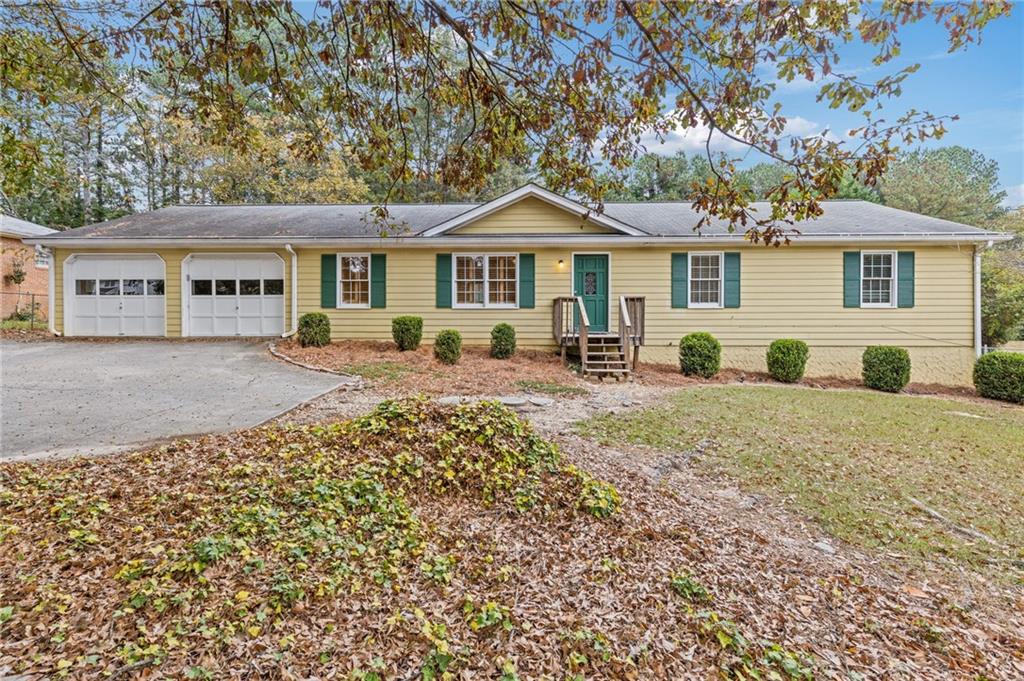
<point x="519" y="241"/>
<point x="532" y="190"/>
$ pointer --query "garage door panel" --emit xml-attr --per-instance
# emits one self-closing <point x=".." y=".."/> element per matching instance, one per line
<point x="109" y="296"/>
<point x="239" y="307"/>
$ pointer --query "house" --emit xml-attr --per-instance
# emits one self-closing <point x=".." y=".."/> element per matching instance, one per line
<point x="25" y="269"/>
<point x="562" y="274"/>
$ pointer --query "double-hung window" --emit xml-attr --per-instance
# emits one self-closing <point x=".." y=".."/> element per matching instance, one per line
<point x="705" y="283"/>
<point x="354" y="280"/>
<point x="486" y="280"/>
<point x="878" y="279"/>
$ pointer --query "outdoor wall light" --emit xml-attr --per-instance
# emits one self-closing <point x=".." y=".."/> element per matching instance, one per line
<point x="561" y="263"/>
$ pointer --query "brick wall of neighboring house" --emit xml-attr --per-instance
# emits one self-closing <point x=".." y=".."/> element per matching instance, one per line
<point x="18" y="296"/>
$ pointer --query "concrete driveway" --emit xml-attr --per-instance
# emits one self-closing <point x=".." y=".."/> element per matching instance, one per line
<point x="67" y="397"/>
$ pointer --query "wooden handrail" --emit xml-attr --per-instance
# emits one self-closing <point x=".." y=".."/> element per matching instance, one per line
<point x="625" y="331"/>
<point x="583" y="332"/>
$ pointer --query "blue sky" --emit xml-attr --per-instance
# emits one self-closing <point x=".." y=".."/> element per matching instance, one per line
<point x="983" y="84"/>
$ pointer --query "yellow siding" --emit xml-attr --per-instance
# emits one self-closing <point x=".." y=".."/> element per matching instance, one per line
<point x="794" y="291"/>
<point x="791" y="292"/>
<point x="531" y="216"/>
<point x="172" y="280"/>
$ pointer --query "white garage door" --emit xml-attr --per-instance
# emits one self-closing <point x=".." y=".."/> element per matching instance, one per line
<point x="114" y="295"/>
<point x="235" y="295"/>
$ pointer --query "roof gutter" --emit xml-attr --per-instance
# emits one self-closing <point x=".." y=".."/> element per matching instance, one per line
<point x="295" y="292"/>
<point x="524" y="240"/>
<point x="51" y="293"/>
<point x="978" y="249"/>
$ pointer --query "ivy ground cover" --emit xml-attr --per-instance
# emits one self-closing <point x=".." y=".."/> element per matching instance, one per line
<point x="423" y="542"/>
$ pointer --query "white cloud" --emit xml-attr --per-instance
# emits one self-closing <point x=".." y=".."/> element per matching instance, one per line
<point x="1014" y="196"/>
<point x="692" y="140"/>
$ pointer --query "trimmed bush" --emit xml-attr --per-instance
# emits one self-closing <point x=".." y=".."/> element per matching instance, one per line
<point x="787" y="359"/>
<point x="503" y="341"/>
<point x="700" y="354"/>
<point x="314" y="329"/>
<point x="886" y="367"/>
<point x="1000" y="376"/>
<point x="407" y="331"/>
<point x="448" y="346"/>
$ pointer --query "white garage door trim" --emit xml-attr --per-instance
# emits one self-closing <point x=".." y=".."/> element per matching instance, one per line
<point x="210" y="316"/>
<point x="141" y="313"/>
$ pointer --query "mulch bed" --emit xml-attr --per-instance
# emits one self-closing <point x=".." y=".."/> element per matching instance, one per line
<point x="552" y="591"/>
<point x="26" y="334"/>
<point x="476" y="373"/>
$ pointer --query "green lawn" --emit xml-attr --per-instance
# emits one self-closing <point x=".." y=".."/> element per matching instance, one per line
<point x="854" y="460"/>
<point x="21" y="324"/>
<point x="548" y="388"/>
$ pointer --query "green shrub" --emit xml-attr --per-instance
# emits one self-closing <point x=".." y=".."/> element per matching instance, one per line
<point x="700" y="354"/>
<point x="314" y="329"/>
<point x="503" y="341"/>
<point x="886" y="367"/>
<point x="448" y="346"/>
<point x="407" y="331"/>
<point x="1000" y="376"/>
<point x="787" y="359"/>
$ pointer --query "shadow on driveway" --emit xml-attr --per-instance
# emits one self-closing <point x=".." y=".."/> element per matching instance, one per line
<point x="64" y="397"/>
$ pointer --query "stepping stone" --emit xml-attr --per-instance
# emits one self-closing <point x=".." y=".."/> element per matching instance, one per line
<point x="541" y="401"/>
<point x="512" y="401"/>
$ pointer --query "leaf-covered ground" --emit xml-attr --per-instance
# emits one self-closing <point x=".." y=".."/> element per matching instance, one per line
<point x="423" y="541"/>
<point x="921" y="476"/>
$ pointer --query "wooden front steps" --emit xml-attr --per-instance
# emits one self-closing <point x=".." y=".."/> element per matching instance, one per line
<point x="601" y="353"/>
<point x="605" y="357"/>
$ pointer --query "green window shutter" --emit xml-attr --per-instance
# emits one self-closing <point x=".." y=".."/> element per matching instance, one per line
<point x="851" y="279"/>
<point x="378" y="280"/>
<point x="732" y="279"/>
<point x="680" y="265"/>
<point x="328" y="280"/>
<point x="905" y="279"/>
<point x="444" y="280"/>
<point x="527" y="269"/>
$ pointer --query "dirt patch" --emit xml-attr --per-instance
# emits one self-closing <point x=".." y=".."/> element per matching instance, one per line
<point x="25" y="335"/>
<point x="392" y="373"/>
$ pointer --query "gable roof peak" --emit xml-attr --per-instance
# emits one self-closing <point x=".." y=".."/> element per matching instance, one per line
<point x="531" y="190"/>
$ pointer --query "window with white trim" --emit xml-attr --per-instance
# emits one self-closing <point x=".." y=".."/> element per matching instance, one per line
<point x="877" y="279"/>
<point x="705" y="283"/>
<point x="353" y="280"/>
<point x="42" y="257"/>
<point x="486" y="280"/>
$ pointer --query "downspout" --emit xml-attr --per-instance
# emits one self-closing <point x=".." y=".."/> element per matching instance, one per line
<point x="295" y="292"/>
<point x="978" y="248"/>
<point x="51" y="304"/>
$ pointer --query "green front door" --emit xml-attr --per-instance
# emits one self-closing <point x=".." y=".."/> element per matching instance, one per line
<point x="591" y="282"/>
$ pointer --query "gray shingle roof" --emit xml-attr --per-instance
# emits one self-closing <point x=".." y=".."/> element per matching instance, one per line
<point x="11" y="226"/>
<point x="262" y="221"/>
<point x="841" y="219"/>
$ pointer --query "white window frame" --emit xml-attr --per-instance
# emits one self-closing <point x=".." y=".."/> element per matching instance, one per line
<point x="42" y="258"/>
<point x="721" y="280"/>
<point x="893" y="293"/>
<point x="369" y="282"/>
<point x="487" y="282"/>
